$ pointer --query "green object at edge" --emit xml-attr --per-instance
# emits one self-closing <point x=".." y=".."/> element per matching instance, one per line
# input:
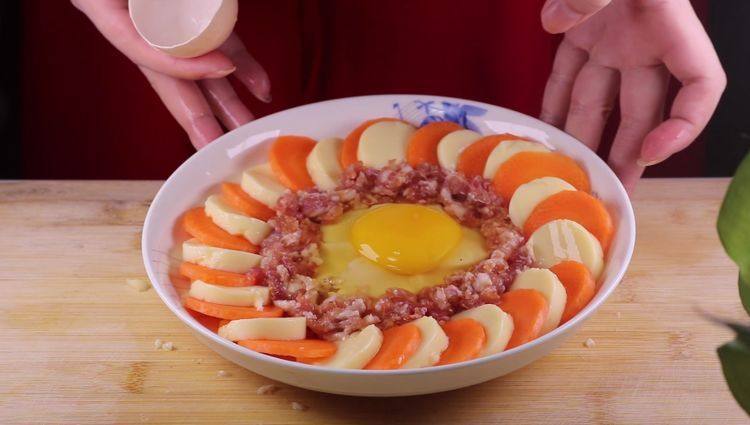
<point x="735" y="363"/>
<point x="734" y="231"/>
<point x="734" y="226"/>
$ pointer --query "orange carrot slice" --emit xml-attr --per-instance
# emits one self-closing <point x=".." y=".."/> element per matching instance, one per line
<point x="524" y="167"/>
<point x="311" y="360"/>
<point x="474" y="157"/>
<point x="288" y="158"/>
<point x="578" y="206"/>
<point x="423" y="143"/>
<point x="579" y="285"/>
<point x="238" y="199"/>
<point x="529" y="310"/>
<point x="466" y="339"/>
<point x="230" y="312"/>
<point x="399" y="343"/>
<point x="303" y="348"/>
<point x="201" y="227"/>
<point x="210" y="323"/>
<point x="350" y="145"/>
<point x="217" y="277"/>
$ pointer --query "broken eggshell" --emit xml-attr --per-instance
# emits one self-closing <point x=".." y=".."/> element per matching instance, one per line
<point x="184" y="28"/>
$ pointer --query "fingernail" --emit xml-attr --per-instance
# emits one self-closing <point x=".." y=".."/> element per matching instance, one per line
<point x="221" y="73"/>
<point x="644" y="163"/>
<point x="265" y="98"/>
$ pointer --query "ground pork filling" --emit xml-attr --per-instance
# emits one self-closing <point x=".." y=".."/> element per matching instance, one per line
<point x="290" y="252"/>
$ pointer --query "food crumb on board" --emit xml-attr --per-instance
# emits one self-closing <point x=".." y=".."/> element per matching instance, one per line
<point x="164" y="345"/>
<point x="299" y="406"/>
<point x="267" y="389"/>
<point x="223" y="373"/>
<point x="139" y="285"/>
<point x="589" y="343"/>
<point x="619" y="315"/>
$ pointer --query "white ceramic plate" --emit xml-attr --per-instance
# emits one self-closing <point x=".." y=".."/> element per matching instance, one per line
<point x="227" y="157"/>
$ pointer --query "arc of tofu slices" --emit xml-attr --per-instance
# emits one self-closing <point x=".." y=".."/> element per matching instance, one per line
<point x="261" y="184"/>
<point x="274" y="328"/>
<point x="357" y="350"/>
<point x="452" y="144"/>
<point x="434" y="342"/>
<point x="561" y="240"/>
<point x="243" y="296"/>
<point x="230" y="260"/>
<point x="497" y="324"/>
<point x="323" y="163"/>
<point x="504" y="150"/>
<point x="550" y="286"/>
<point x="384" y="141"/>
<point x="235" y="222"/>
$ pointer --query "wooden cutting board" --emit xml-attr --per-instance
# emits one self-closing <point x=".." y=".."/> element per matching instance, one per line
<point x="77" y="343"/>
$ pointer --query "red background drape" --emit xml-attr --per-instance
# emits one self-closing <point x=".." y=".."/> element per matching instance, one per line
<point x="87" y="112"/>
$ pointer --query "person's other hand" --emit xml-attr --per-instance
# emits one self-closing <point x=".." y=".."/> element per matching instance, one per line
<point x="631" y="47"/>
<point x="195" y="90"/>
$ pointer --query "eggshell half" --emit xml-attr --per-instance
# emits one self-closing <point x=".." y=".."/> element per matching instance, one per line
<point x="184" y="28"/>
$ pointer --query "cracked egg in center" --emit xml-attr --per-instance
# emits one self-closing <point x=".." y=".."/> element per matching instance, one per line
<point x="406" y="246"/>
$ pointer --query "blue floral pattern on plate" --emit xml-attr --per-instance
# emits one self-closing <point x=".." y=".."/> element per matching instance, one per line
<point x="425" y="112"/>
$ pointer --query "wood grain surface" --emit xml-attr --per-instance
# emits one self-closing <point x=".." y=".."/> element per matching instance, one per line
<point x="77" y="343"/>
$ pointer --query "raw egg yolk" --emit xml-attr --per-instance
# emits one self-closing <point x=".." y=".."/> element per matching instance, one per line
<point x="405" y="238"/>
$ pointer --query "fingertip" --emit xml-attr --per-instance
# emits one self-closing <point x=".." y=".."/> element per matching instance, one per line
<point x="662" y="142"/>
<point x="213" y="64"/>
<point x="220" y="73"/>
<point x="203" y="129"/>
<point x="258" y="83"/>
<point x="628" y="173"/>
<point x="558" y="17"/>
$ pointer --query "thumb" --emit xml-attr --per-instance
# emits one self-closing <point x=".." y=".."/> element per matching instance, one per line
<point x="561" y="15"/>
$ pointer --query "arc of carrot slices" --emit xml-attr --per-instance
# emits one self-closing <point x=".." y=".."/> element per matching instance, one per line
<point x="288" y="159"/>
<point x="201" y="227"/>
<point x="524" y="167"/>
<point x="579" y="286"/>
<point x="577" y="206"/>
<point x="230" y="312"/>
<point x="472" y="160"/>
<point x="233" y="195"/>
<point x="350" y="145"/>
<point x="529" y="310"/>
<point x="422" y="147"/>
<point x="399" y="343"/>
<point x="466" y="338"/>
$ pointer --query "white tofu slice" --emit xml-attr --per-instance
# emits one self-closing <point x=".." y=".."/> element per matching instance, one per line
<point x="234" y="222"/>
<point x="323" y="163"/>
<point x="452" y="144"/>
<point x="384" y="141"/>
<point x="261" y="184"/>
<point x="274" y="328"/>
<point x="243" y="296"/>
<point x="230" y="260"/>
<point x="561" y="240"/>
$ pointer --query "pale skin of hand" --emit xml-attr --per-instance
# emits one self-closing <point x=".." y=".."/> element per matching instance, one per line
<point x="196" y="91"/>
<point x="630" y="48"/>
